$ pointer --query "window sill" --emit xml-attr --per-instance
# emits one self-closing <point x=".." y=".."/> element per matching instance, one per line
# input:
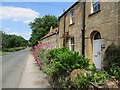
<point x="71" y="24"/>
<point x="94" y="12"/>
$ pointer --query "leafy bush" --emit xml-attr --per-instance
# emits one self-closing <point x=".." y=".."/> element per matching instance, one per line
<point x="112" y="60"/>
<point x="9" y="49"/>
<point x="31" y="48"/>
<point x="58" y="63"/>
<point x="52" y="54"/>
<point x="99" y="77"/>
<point x="63" y="60"/>
<point x="112" y="56"/>
<point x="13" y="49"/>
<point x="19" y="48"/>
<point x="115" y="71"/>
<point x="39" y="53"/>
<point x="83" y="81"/>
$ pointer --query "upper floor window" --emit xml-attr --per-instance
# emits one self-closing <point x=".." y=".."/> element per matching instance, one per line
<point x="72" y="44"/>
<point x="96" y="5"/>
<point x="72" y="17"/>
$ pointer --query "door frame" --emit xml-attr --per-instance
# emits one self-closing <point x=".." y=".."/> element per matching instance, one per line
<point x="97" y="37"/>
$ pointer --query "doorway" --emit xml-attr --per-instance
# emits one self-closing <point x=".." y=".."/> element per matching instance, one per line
<point x="97" y="50"/>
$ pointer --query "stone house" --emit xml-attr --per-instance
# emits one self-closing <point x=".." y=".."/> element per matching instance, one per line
<point x="51" y="38"/>
<point x="102" y="28"/>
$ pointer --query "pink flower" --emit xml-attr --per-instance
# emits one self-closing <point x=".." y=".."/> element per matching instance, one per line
<point x="41" y="65"/>
<point x="37" y="57"/>
<point x="71" y="35"/>
<point x="38" y="62"/>
<point x="49" y="60"/>
<point x="65" y="33"/>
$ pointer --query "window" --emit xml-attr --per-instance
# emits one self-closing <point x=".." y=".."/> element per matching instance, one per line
<point x="97" y="36"/>
<point x="72" y="44"/>
<point x="96" y="5"/>
<point x="72" y="17"/>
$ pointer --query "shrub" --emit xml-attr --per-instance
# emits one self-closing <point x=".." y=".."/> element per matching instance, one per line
<point x="83" y="81"/>
<point x="112" y="60"/>
<point x="52" y="54"/>
<point x="9" y="49"/>
<point x="58" y="63"/>
<point x="19" y="48"/>
<point x="31" y="48"/>
<point x="99" y="77"/>
<point x="13" y="49"/>
<point x="63" y="60"/>
<point x="112" y="56"/>
<point x="39" y="52"/>
<point x="115" y="71"/>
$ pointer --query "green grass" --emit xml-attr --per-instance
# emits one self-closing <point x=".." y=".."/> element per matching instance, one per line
<point x="4" y="53"/>
<point x="9" y="50"/>
<point x="31" y="48"/>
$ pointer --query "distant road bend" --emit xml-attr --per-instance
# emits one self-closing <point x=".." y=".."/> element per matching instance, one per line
<point x="12" y="67"/>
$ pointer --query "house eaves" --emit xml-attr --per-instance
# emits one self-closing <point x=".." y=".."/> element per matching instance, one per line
<point x="52" y="32"/>
<point x="68" y="9"/>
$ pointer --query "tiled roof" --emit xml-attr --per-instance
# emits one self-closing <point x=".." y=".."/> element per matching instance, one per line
<point x="50" y="33"/>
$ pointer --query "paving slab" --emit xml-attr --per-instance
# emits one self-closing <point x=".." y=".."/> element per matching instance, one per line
<point x="32" y="76"/>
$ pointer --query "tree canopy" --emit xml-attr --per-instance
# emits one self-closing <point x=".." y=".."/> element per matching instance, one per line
<point x="11" y="41"/>
<point x="41" y="26"/>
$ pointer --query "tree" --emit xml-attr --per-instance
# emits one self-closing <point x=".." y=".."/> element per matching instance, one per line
<point x="11" y="41"/>
<point x="5" y="40"/>
<point x="41" y="26"/>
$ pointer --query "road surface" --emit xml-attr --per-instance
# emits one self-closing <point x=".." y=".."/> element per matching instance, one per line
<point x="12" y="68"/>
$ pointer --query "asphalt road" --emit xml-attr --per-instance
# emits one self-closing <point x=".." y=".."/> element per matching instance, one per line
<point x="12" y="68"/>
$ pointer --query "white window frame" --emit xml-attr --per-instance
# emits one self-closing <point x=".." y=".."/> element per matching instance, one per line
<point x="72" y="44"/>
<point x="72" y="17"/>
<point x="95" y="2"/>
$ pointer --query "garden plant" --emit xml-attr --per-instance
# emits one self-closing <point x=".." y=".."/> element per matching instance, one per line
<point x="59" y="64"/>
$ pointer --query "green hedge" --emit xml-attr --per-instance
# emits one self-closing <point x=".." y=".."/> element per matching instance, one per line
<point x="112" y="60"/>
<point x="63" y="60"/>
<point x="13" y="49"/>
<point x="59" y="63"/>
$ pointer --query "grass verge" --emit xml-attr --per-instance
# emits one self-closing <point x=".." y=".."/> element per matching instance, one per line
<point x="9" y="50"/>
<point x="4" y="53"/>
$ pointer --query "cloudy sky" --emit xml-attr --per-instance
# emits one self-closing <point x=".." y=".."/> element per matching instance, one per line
<point x="16" y="16"/>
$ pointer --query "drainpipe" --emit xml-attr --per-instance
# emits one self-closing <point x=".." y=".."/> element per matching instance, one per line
<point x="64" y="40"/>
<point x="83" y="29"/>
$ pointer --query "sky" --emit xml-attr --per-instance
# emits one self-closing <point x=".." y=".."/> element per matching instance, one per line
<point x="16" y="16"/>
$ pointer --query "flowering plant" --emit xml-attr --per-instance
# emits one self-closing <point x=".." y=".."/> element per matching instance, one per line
<point x="66" y="35"/>
<point x="39" y="53"/>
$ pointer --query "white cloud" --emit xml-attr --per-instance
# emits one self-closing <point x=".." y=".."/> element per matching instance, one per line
<point x="29" y="33"/>
<point x="18" y="14"/>
<point x="14" y="33"/>
<point x="9" y="31"/>
<point x="6" y="30"/>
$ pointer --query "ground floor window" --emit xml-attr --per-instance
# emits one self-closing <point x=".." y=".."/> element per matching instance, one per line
<point x="72" y="44"/>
